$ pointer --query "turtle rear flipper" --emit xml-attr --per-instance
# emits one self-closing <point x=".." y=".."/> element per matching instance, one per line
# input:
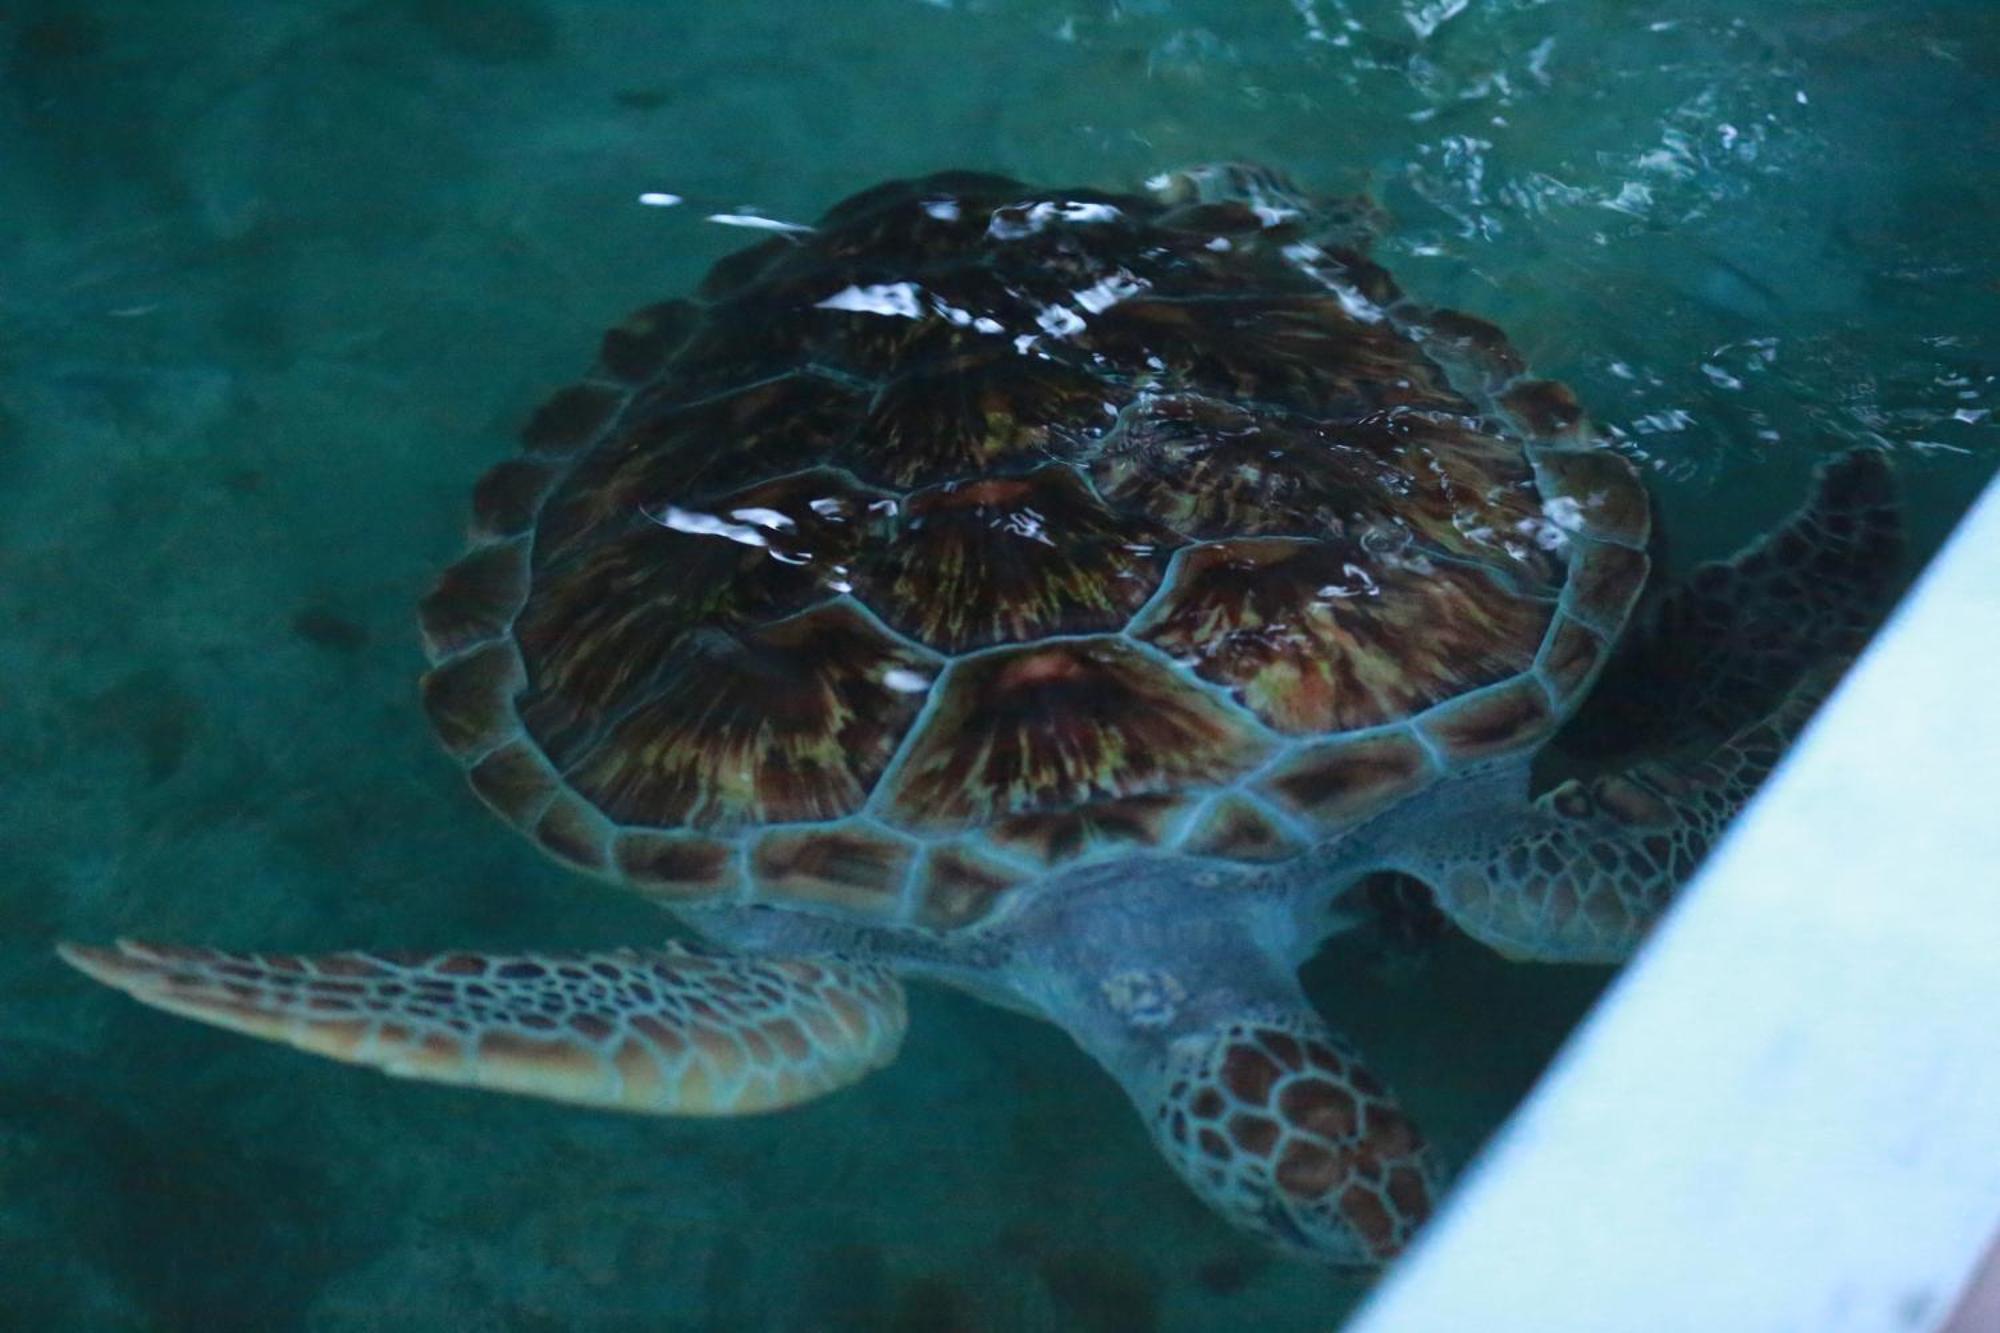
<point x="666" y="1031"/>
<point x="1584" y="873"/>
<point x="1723" y="648"/>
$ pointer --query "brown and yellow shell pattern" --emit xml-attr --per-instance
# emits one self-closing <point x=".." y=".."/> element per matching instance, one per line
<point x="985" y="528"/>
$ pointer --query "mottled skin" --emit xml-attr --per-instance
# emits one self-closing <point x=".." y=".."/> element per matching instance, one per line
<point x="1069" y="597"/>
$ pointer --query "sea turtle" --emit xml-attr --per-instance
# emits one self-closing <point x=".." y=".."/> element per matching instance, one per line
<point x="1068" y="596"/>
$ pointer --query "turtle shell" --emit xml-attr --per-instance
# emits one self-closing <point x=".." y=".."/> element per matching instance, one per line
<point x="986" y="528"/>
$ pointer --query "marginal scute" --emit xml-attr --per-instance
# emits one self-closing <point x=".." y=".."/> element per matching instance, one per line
<point x="470" y="699"/>
<point x="506" y="500"/>
<point x="1570" y="657"/>
<point x="516" y="781"/>
<point x="960" y="885"/>
<point x="1609" y="501"/>
<point x="849" y="867"/>
<point x="1496" y="722"/>
<point x="1546" y="407"/>
<point x="475" y="599"/>
<point x="1474" y="342"/>
<point x="1235" y="828"/>
<point x="1604" y="581"/>
<point x="1347" y="270"/>
<point x="637" y="349"/>
<point x="675" y="868"/>
<point x="1051" y="836"/>
<point x="572" y="418"/>
<point x="573" y="832"/>
<point x="741" y="268"/>
<point x="1340" y="782"/>
<point x="1054" y="725"/>
<point x="1012" y="558"/>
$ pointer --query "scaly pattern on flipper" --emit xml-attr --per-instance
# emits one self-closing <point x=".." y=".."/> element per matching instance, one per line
<point x="1277" y="1124"/>
<point x="1593" y="865"/>
<point x="1721" y="649"/>
<point x="664" y="1031"/>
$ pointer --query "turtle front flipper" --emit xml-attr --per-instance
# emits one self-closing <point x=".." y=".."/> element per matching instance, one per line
<point x="663" y="1031"/>
<point x="1721" y="649"/>
<point x="1586" y="871"/>
<point x="1173" y="972"/>
<point x="1279" y="1127"/>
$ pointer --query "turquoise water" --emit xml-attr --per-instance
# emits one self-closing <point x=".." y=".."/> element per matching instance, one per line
<point x="277" y="281"/>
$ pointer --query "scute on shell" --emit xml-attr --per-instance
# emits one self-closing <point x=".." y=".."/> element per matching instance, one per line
<point x="985" y="528"/>
<point x="1310" y="640"/>
<point x="1075" y="566"/>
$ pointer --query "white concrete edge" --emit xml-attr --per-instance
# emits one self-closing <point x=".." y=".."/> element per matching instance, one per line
<point x="1784" y="1117"/>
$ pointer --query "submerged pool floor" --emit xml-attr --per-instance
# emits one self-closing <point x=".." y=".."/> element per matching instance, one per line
<point x="278" y="281"/>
